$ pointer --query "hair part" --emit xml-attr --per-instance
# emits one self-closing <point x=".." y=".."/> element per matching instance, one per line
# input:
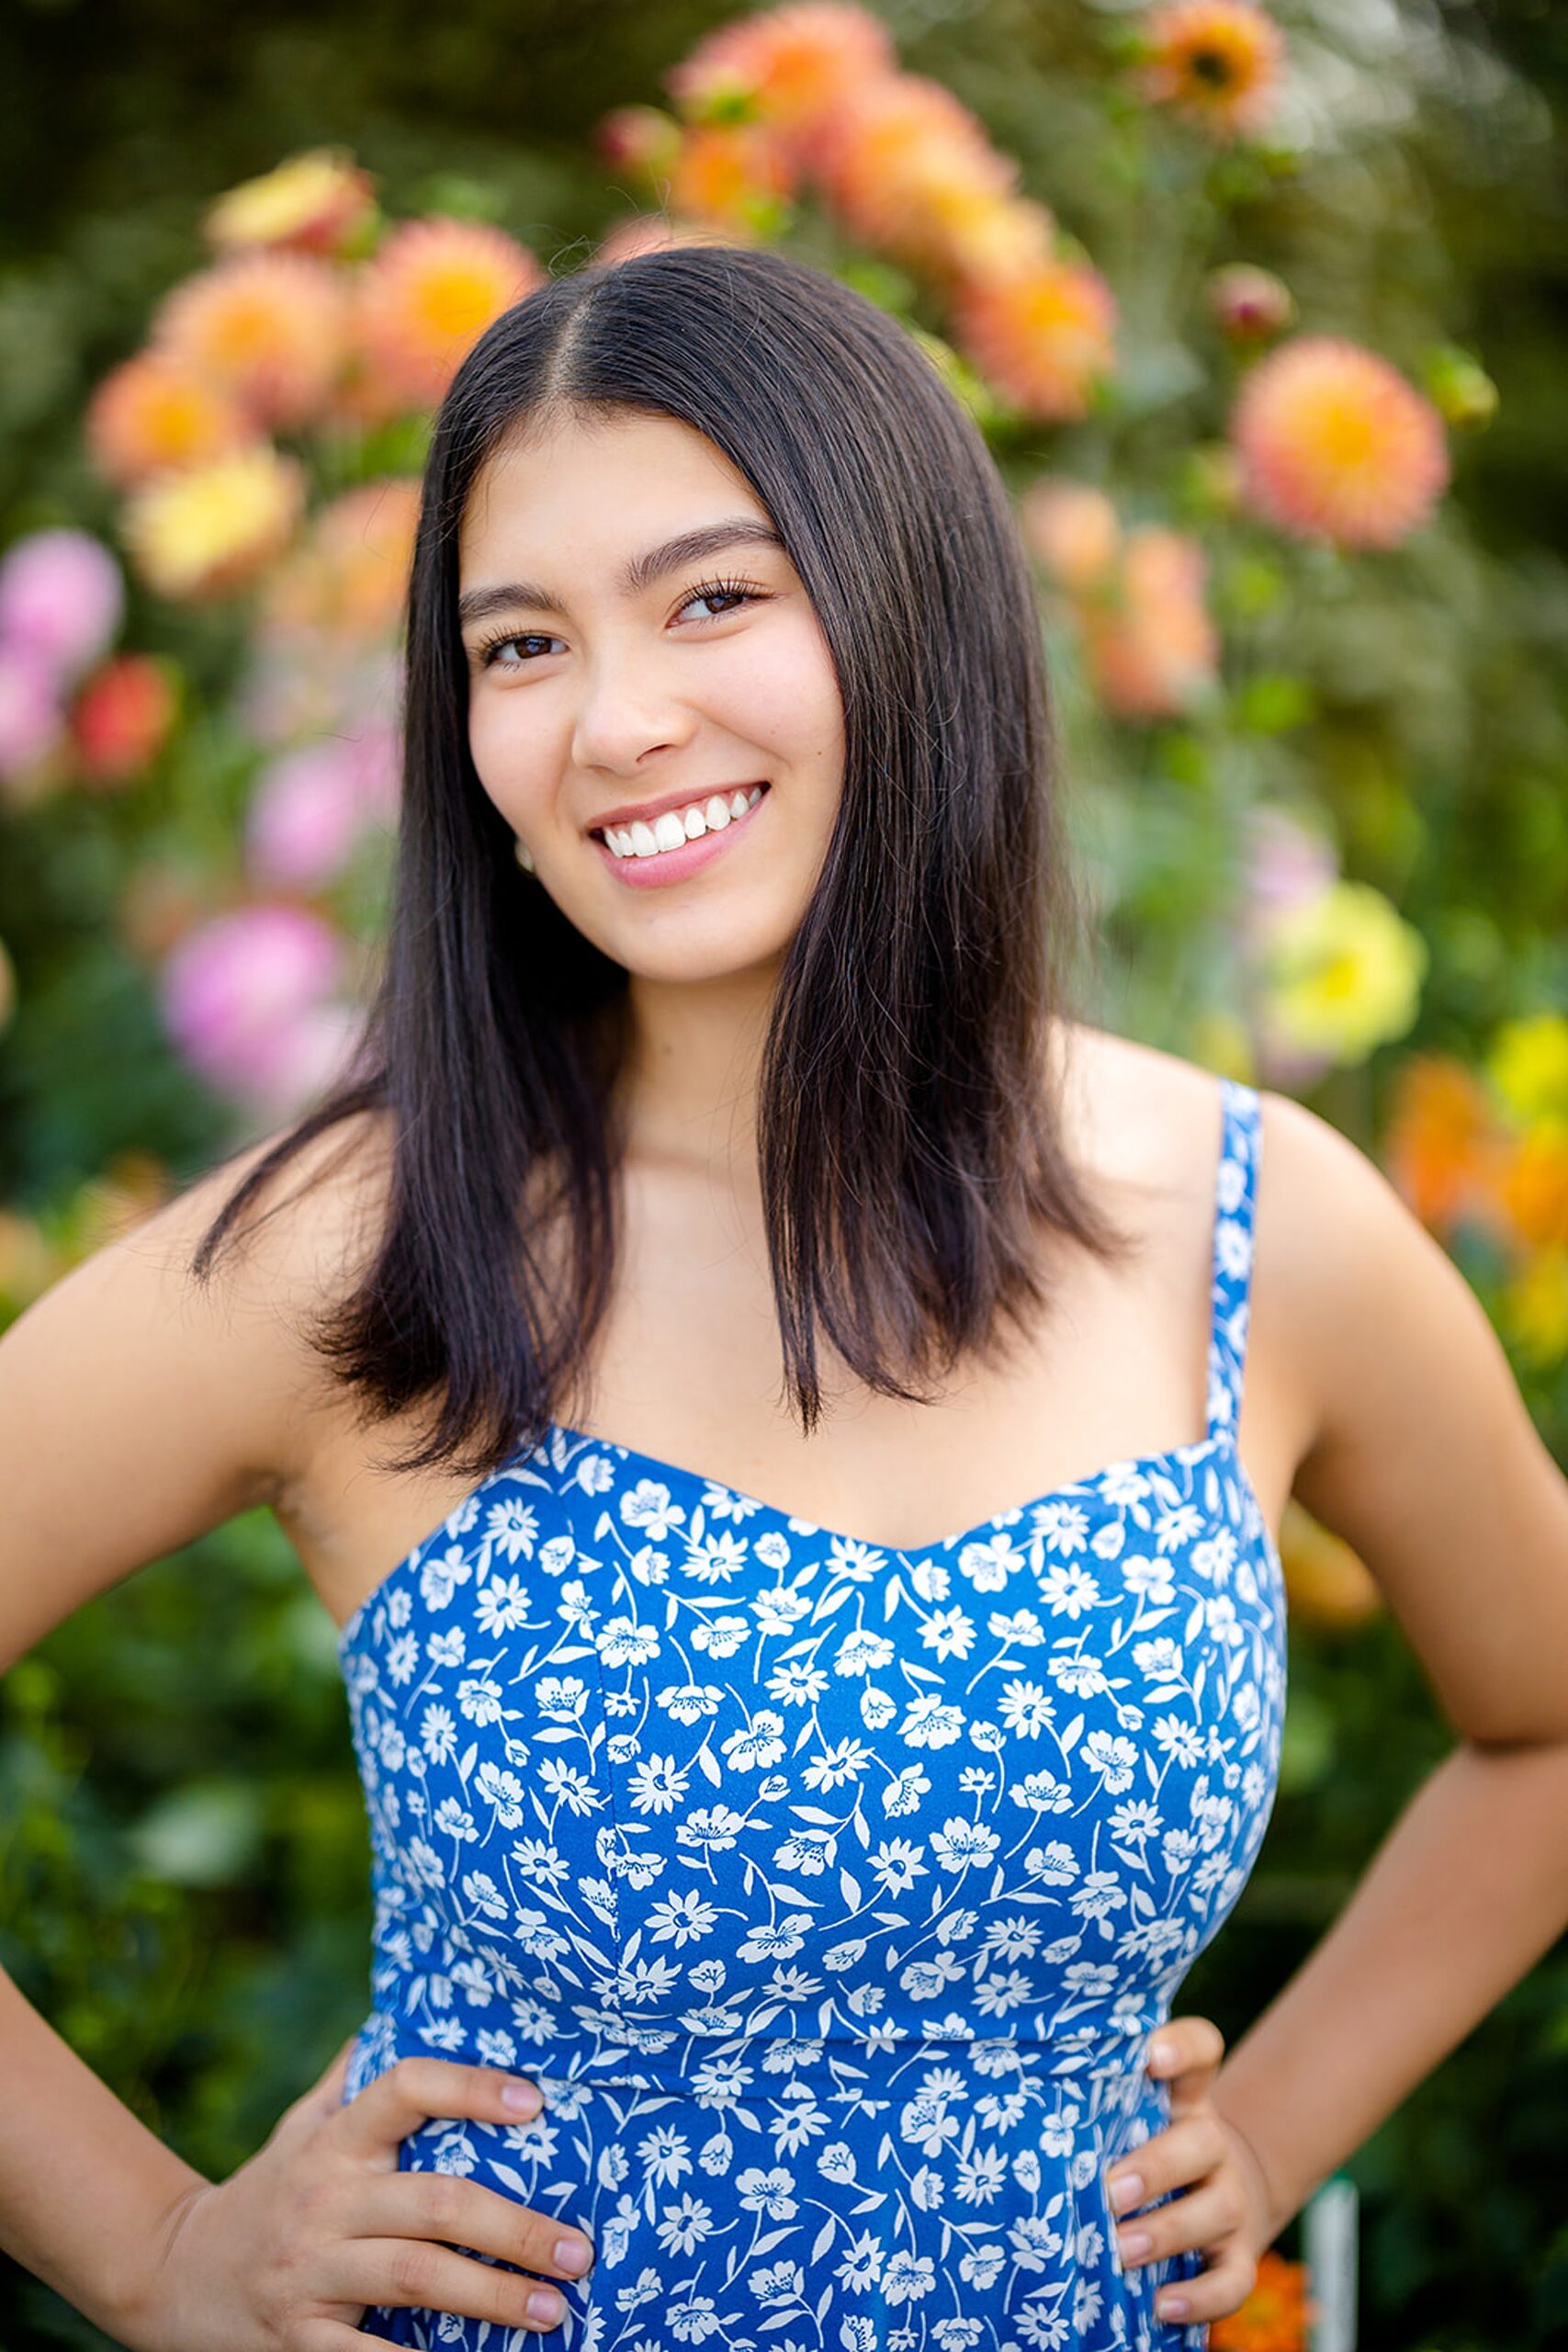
<point x="909" y="1146"/>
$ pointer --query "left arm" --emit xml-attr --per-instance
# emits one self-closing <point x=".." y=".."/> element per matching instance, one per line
<point x="1426" y="1460"/>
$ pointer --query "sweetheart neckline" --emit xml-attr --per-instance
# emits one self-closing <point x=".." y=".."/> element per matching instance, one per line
<point x="1189" y="1450"/>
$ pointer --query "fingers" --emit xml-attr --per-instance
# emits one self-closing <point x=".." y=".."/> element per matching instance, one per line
<point x="1174" y="2158"/>
<point x="1186" y="2053"/>
<point x="1187" y="2225"/>
<point x="413" y="2089"/>
<point x="1216" y="2291"/>
<point x="445" y="2205"/>
<point x="404" y="2273"/>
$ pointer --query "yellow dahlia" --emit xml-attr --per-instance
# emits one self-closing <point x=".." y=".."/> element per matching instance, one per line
<point x="788" y="67"/>
<point x="1335" y="444"/>
<point x="349" y="576"/>
<point x="1215" y="62"/>
<point x="316" y="202"/>
<point x="733" y="175"/>
<point x="1044" y="334"/>
<point x="267" y="328"/>
<point x="1153" y="648"/>
<point x="1534" y="1307"/>
<point x="1073" y="529"/>
<point x="153" y="412"/>
<point x="1342" y="973"/>
<point x="1528" y="1065"/>
<point x="213" y="527"/>
<point x="428" y="295"/>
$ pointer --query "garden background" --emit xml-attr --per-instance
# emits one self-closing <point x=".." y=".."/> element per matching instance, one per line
<point x="1262" y="317"/>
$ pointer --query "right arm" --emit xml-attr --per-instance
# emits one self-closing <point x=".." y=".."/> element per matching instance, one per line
<point x="140" y="1410"/>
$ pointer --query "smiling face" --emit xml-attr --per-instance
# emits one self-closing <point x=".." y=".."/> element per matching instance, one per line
<point x="613" y="671"/>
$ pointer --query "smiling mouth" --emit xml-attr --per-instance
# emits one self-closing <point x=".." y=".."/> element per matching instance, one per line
<point x="649" y="838"/>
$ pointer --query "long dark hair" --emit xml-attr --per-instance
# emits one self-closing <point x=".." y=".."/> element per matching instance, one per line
<point x="908" y="1146"/>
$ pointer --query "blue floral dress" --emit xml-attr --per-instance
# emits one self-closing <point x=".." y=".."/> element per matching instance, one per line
<point x="830" y="1893"/>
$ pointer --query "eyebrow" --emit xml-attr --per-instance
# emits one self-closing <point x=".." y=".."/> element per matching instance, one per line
<point x="692" y="546"/>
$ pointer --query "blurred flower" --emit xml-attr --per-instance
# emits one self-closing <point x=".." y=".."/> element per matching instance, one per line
<point x="1341" y="973"/>
<point x="233" y="988"/>
<point x="1461" y="391"/>
<point x="155" y="411"/>
<point x="1528" y="1063"/>
<point x="8" y="987"/>
<point x="1250" y="304"/>
<point x="213" y="528"/>
<point x="268" y="328"/>
<point x="31" y="721"/>
<point x="985" y="233"/>
<point x="790" y="67"/>
<point x="1287" y="862"/>
<point x="1533" y="1306"/>
<point x="1532" y="1188"/>
<point x="123" y="717"/>
<point x="427" y="296"/>
<point x="733" y="175"/>
<point x="1440" y="1143"/>
<point x="638" y="138"/>
<point x="1073" y="529"/>
<point x="348" y="575"/>
<point x="309" y="808"/>
<point x="1153" y="648"/>
<point x="318" y="202"/>
<point x="1214" y="62"/>
<point x="62" y="600"/>
<point x="1044" y="334"/>
<point x="1275" y="2315"/>
<point x="903" y="161"/>
<point x="1328" y="1585"/>
<point x="1335" y="444"/>
<point x="653" y="232"/>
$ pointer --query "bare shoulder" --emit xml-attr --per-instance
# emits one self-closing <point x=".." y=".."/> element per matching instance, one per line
<point x="141" y="1406"/>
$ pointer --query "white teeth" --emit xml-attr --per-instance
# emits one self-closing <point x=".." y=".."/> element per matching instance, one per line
<point x="678" y="826"/>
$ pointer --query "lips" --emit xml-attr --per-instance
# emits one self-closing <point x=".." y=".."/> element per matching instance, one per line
<point x="648" y="811"/>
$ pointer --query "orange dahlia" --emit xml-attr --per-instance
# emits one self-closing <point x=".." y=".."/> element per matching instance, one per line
<point x="267" y="328"/>
<point x="733" y="175"/>
<point x="1153" y="648"/>
<point x="1276" y="2314"/>
<point x="788" y="67"/>
<point x="428" y="295"/>
<point x="1044" y="334"/>
<point x="1335" y="444"/>
<point x="1440" y="1147"/>
<point x="212" y="528"/>
<point x="1215" y="62"/>
<point x="349" y="576"/>
<point x="653" y="232"/>
<point x="1073" y="529"/>
<point x="1532" y="1188"/>
<point x="155" y="412"/>
<point x="902" y="161"/>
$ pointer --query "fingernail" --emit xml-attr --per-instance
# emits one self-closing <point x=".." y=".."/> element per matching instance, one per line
<point x="548" y="2307"/>
<point x="523" y="2098"/>
<point x="1161" y="2054"/>
<point x="573" y="2254"/>
<point x="1171" y="2306"/>
<point x="1133" y="2244"/>
<point x="1126" y="2189"/>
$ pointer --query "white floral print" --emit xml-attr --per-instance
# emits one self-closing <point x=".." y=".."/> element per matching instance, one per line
<point x="830" y="1892"/>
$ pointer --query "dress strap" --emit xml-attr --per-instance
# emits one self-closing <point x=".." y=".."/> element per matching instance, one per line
<point x="1235" y="1196"/>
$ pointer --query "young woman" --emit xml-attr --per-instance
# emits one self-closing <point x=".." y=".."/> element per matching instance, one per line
<point x="816" y="1640"/>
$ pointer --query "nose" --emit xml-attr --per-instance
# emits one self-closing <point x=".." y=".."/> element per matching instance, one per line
<point x="627" y="712"/>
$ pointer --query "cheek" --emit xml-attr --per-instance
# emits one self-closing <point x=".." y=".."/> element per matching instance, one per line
<point x="789" y="701"/>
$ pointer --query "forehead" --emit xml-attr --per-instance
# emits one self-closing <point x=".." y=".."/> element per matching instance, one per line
<point x="582" y="486"/>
